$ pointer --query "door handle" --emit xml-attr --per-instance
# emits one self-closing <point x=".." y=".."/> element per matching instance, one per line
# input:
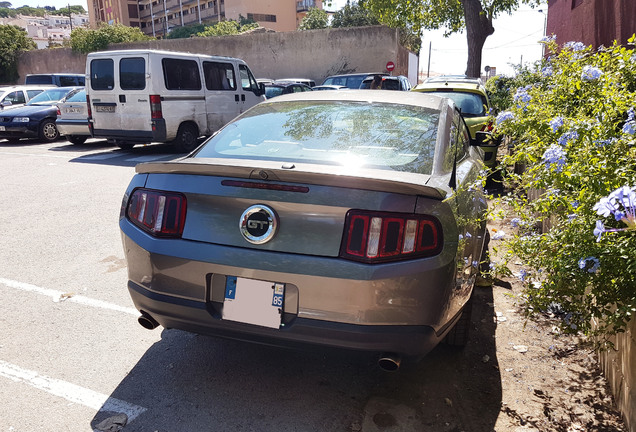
<point x="243" y="97"/>
<point x="122" y="98"/>
<point x="236" y="98"/>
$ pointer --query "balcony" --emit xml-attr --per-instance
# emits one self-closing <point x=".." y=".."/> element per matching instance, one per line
<point x="305" y="5"/>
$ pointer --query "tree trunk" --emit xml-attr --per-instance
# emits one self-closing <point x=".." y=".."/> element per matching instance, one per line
<point x="478" y="28"/>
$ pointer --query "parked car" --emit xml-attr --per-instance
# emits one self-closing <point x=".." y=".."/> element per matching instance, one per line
<point x="280" y="88"/>
<point x="469" y="94"/>
<point x="72" y="118"/>
<point x="330" y="87"/>
<point x="16" y="96"/>
<point x="351" y="81"/>
<point x="306" y="81"/>
<point x="349" y="219"/>
<point x="385" y="82"/>
<point x="36" y="119"/>
<point x="56" y="79"/>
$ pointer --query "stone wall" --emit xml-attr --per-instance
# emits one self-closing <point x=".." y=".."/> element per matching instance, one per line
<point x="313" y="54"/>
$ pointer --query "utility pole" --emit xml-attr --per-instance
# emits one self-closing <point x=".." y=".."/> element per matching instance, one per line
<point x="428" y="72"/>
<point x="70" y="17"/>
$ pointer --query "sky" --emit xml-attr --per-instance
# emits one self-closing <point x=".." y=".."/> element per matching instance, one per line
<point x="515" y="40"/>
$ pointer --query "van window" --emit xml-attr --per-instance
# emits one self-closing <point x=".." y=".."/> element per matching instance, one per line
<point x="219" y="76"/>
<point x="102" y="74"/>
<point x="181" y="74"/>
<point x="39" y="79"/>
<point x="132" y="73"/>
<point x="68" y="81"/>
<point x="248" y="82"/>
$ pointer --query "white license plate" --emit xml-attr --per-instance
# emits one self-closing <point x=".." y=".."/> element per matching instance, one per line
<point x="2" y="128"/>
<point x="105" y="108"/>
<point x="253" y="302"/>
<point x="72" y="110"/>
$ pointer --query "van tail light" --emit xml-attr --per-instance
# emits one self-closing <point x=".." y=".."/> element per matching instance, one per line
<point x="88" y="107"/>
<point x="155" y="107"/>
<point x="161" y="214"/>
<point x="380" y="236"/>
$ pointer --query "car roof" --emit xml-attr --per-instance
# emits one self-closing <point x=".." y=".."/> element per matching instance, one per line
<point x="400" y="98"/>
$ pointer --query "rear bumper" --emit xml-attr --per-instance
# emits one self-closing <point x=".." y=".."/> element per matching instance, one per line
<point x="73" y="127"/>
<point x="156" y="134"/>
<point x="204" y="318"/>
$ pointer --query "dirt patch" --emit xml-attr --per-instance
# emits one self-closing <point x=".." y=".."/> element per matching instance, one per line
<point x="549" y="381"/>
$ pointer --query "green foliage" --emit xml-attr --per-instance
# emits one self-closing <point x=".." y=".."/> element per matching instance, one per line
<point x="186" y="31"/>
<point x="226" y="28"/>
<point x="13" y="40"/>
<point x="6" y="13"/>
<point x="5" y="4"/>
<point x="27" y="10"/>
<point x="315" y="19"/>
<point x="573" y="128"/>
<point x="77" y="9"/>
<point x="353" y="15"/>
<point x="85" y="40"/>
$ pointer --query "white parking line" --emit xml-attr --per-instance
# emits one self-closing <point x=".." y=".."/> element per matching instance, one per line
<point x="57" y="296"/>
<point x="70" y="392"/>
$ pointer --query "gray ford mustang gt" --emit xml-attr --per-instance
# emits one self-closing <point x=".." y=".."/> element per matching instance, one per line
<point x="349" y="219"/>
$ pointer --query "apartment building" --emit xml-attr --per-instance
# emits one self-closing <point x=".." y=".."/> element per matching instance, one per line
<point x="158" y="17"/>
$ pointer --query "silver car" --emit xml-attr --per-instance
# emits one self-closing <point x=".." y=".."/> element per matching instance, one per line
<point x="347" y="219"/>
<point x="72" y="118"/>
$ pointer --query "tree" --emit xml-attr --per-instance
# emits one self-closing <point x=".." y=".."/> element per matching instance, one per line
<point x="315" y="19"/>
<point x="13" y="40"/>
<point x="475" y="16"/>
<point x="185" y="31"/>
<point x="77" y="9"/>
<point x="85" y="40"/>
<point x="226" y="28"/>
<point x="5" y="4"/>
<point x="353" y="15"/>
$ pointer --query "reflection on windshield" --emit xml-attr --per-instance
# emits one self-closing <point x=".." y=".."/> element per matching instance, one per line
<point x="350" y="134"/>
<point x="470" y="104"/>
<point x="48" y="97"/>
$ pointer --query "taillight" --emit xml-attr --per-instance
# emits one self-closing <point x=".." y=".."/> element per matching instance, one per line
<point x="59" y="113"/>
<point x="158" y="213"/>
<point x="155" y="107"/>
<point x="88" y="107"/>
<point x="380" y="237"/>
<point x="488" y="127"/>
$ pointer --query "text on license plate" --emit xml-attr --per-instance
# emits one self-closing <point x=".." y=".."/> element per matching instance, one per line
<point x="105" y="108"/>
<point x="72" y="110"/>
<point x="253" y="301"/>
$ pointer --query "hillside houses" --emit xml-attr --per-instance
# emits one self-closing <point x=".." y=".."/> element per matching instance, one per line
<point x="47" y="30"/>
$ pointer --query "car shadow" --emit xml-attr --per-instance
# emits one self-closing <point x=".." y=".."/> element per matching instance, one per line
<point x="188" y="382"/>
<point x="116" y="156"/>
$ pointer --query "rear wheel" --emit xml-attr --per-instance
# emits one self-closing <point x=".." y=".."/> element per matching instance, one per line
<point x="48" y="131"/>
<point x="77" y="139"/>
<point x="187" y="138"/>
<point x="124" y="145"/>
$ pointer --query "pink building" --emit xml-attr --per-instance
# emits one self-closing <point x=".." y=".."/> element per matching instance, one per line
<point x="593" y="22"/>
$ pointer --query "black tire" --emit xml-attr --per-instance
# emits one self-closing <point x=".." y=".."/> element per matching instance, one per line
<point x="458" y="336"/>
<point x="13" y="140"/>
<point x="124" y="145"/>
<point x="48" y="131"/>
<point x="187" y="138"/>
<point x="77" y="139"/>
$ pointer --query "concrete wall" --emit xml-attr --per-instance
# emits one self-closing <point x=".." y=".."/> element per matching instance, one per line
<point x="313" y="54"/>
<point x="619" y="366"/>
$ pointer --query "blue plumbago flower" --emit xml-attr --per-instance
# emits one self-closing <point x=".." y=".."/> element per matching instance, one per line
<point x="547" y="38"/>
<point x="591" y="73"/>
<point x="575" y="46"/>
<point x="523" y="274"/>
<point x="555" y="157"/>
<point x="633" y="58"/>
<point x="567" y="137"/>
<point x="605" y="142"/>
<point x="556" y="123"/>
<point x="629" y="128"/>
<point x="547" y="71"/>
<point x="522" y="94"/>
<point x="599" y="230"/>
<point x="575" y="204"/>
<point x="631" y="115"/>
<point x="515" y="222"/>
<point x="504" y="116"/>
<point x="571" y="217"/>
<point x="591" y="264"/>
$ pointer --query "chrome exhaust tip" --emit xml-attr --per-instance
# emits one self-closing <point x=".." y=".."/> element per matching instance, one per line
<point x="389" y="362"/>
<point x="147" y="321"/>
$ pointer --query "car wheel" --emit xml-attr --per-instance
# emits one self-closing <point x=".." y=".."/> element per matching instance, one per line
<point x="48" y="131"/>
<point x="458" y="335"/>
<point x="124" y="145"/>
<point x="77" y="139"/>
<point x="187" y="138"/>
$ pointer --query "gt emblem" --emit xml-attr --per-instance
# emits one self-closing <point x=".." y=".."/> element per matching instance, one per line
<point x="258" y="224"/>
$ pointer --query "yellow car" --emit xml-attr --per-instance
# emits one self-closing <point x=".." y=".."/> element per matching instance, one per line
<point x="469" y="95"/>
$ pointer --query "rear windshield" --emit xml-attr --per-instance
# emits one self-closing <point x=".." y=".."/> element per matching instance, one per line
<point x="351" y="81"/>
<point x="270" y="92"/>
<point x="471" y="104"/>
<point x="49" y="97"/>
<point x="352" y="134"/>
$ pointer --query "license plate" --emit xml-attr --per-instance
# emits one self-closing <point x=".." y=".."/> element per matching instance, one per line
<point x="105" y="108"/>
<point x="72" y="110"/>
<point x="2" y="128"/>
<point x="253" y="302"/>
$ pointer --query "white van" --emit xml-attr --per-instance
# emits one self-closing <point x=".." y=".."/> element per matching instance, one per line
<point x="143" y="96"/>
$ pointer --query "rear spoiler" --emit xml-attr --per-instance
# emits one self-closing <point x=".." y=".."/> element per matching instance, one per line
<point x="368" y="179"/>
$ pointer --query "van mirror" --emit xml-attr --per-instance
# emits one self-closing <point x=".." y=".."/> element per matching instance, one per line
<point x="261" y="89"/>
<point x="486" y="139"/>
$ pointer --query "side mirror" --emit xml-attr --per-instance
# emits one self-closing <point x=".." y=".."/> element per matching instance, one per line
<point x="261" y="89"/>
<point x="486" y="139"/>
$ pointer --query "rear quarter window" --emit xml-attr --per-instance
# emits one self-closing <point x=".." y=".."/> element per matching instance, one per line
<point x="132" y="73"/>
<point x="181" y="74"/>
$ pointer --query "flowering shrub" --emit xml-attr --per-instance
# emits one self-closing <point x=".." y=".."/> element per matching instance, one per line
<point x="573" y="124"/>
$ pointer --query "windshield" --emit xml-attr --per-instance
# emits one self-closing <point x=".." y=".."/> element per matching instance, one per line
<point x="49" y="97"/>
<point x="471" y="104"/>
<point x="351" y="134"/>
<point x="271" y="91"/>
<point x="80" y="96"/>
